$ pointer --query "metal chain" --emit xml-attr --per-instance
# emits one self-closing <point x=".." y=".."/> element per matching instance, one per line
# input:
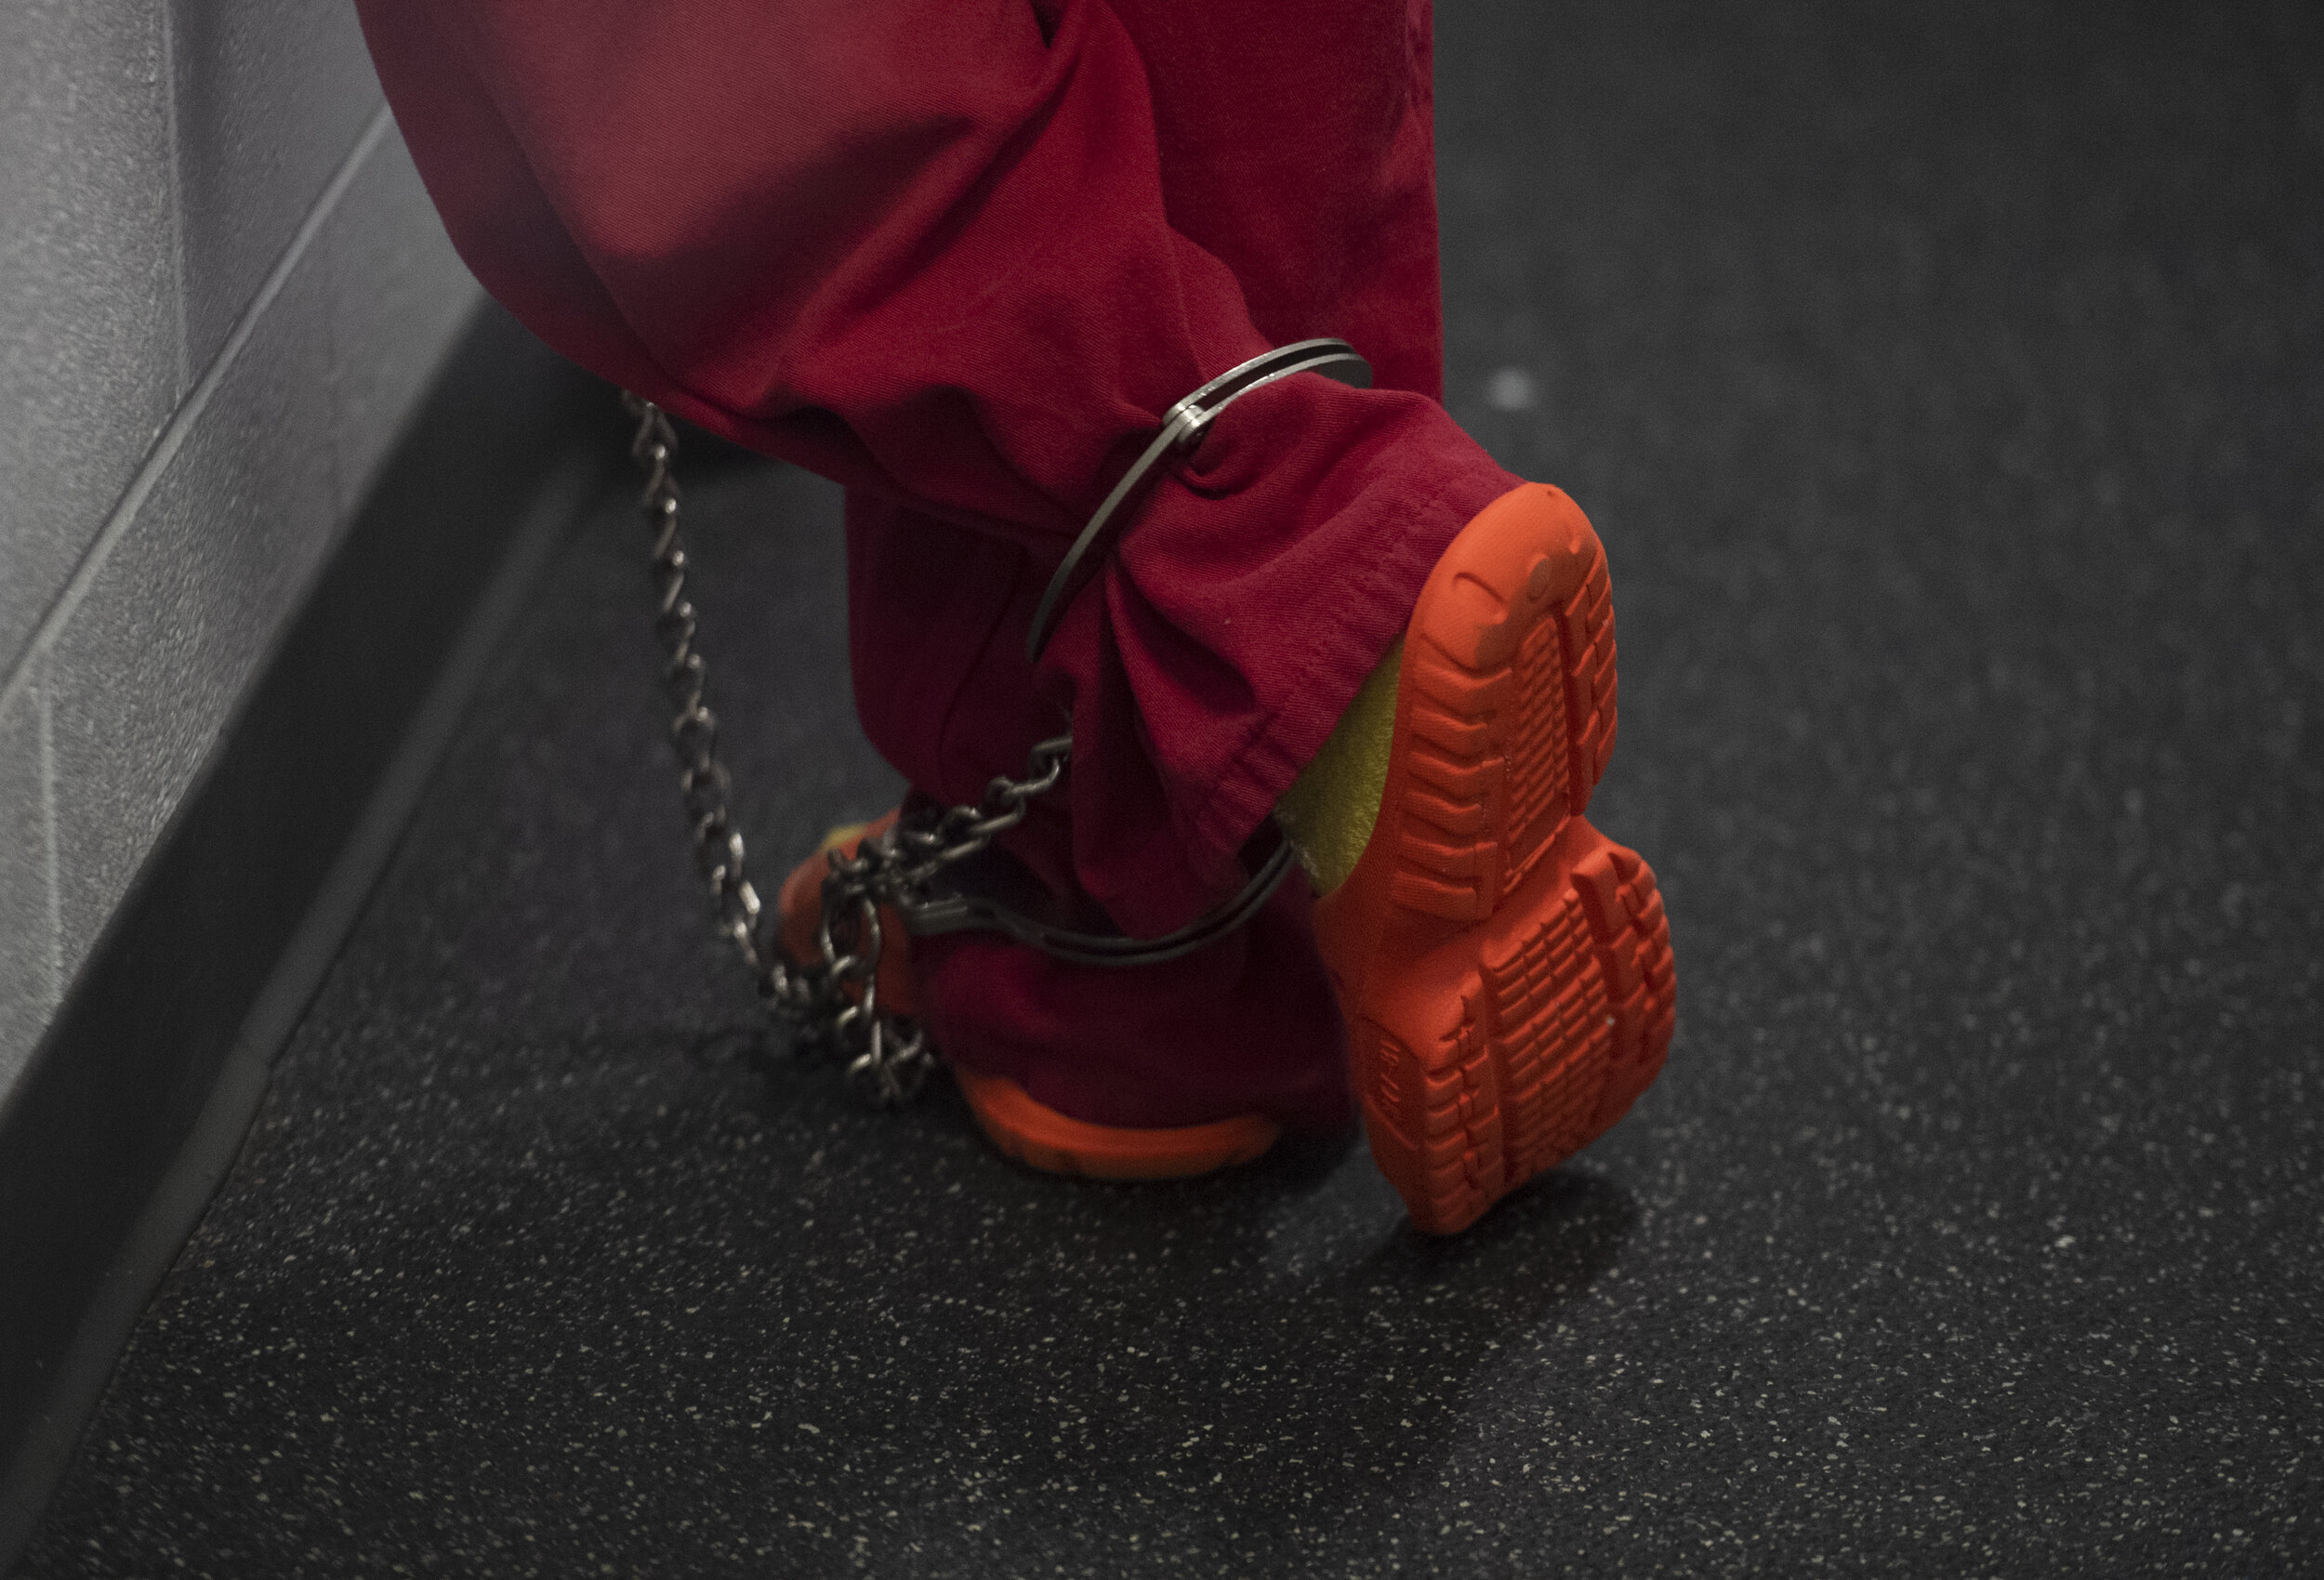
<point x="833" y="1002"/>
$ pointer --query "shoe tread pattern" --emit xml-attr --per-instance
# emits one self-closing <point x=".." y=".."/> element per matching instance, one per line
<point x="1568" y="1006"/>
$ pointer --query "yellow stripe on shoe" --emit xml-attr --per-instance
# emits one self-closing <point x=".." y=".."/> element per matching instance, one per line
<point x="1327" y="813"/>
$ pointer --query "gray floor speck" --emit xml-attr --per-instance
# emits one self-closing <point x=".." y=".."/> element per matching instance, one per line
<point x="1948" y="383"/>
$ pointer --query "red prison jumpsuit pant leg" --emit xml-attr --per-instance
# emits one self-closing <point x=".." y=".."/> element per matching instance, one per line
<point x="961" y="255"/>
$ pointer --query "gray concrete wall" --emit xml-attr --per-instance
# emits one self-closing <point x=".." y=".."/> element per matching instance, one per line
<point x="221" y="290"/>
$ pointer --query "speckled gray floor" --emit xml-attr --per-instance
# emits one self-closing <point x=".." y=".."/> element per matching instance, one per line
<point x="1948" y="383"/>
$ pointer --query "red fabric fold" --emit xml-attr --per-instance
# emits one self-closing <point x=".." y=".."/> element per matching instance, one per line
<point x="960" y="255"/>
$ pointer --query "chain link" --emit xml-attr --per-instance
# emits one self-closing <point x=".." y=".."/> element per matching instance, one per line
<point x="833" y="1002"/>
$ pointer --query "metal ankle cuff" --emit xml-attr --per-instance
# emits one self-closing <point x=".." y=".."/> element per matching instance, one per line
<point x="1183" y="427"/>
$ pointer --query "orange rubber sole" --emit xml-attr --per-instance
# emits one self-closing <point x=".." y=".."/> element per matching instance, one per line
<point x="1039" y="1137"/>
<point x="1019" y="1125"/>
<point x="1504" y="968"/>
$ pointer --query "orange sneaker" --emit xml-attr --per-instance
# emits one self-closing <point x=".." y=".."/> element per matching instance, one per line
<point x="1504" y="968"/>
<point x="1020" y="1126"/>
